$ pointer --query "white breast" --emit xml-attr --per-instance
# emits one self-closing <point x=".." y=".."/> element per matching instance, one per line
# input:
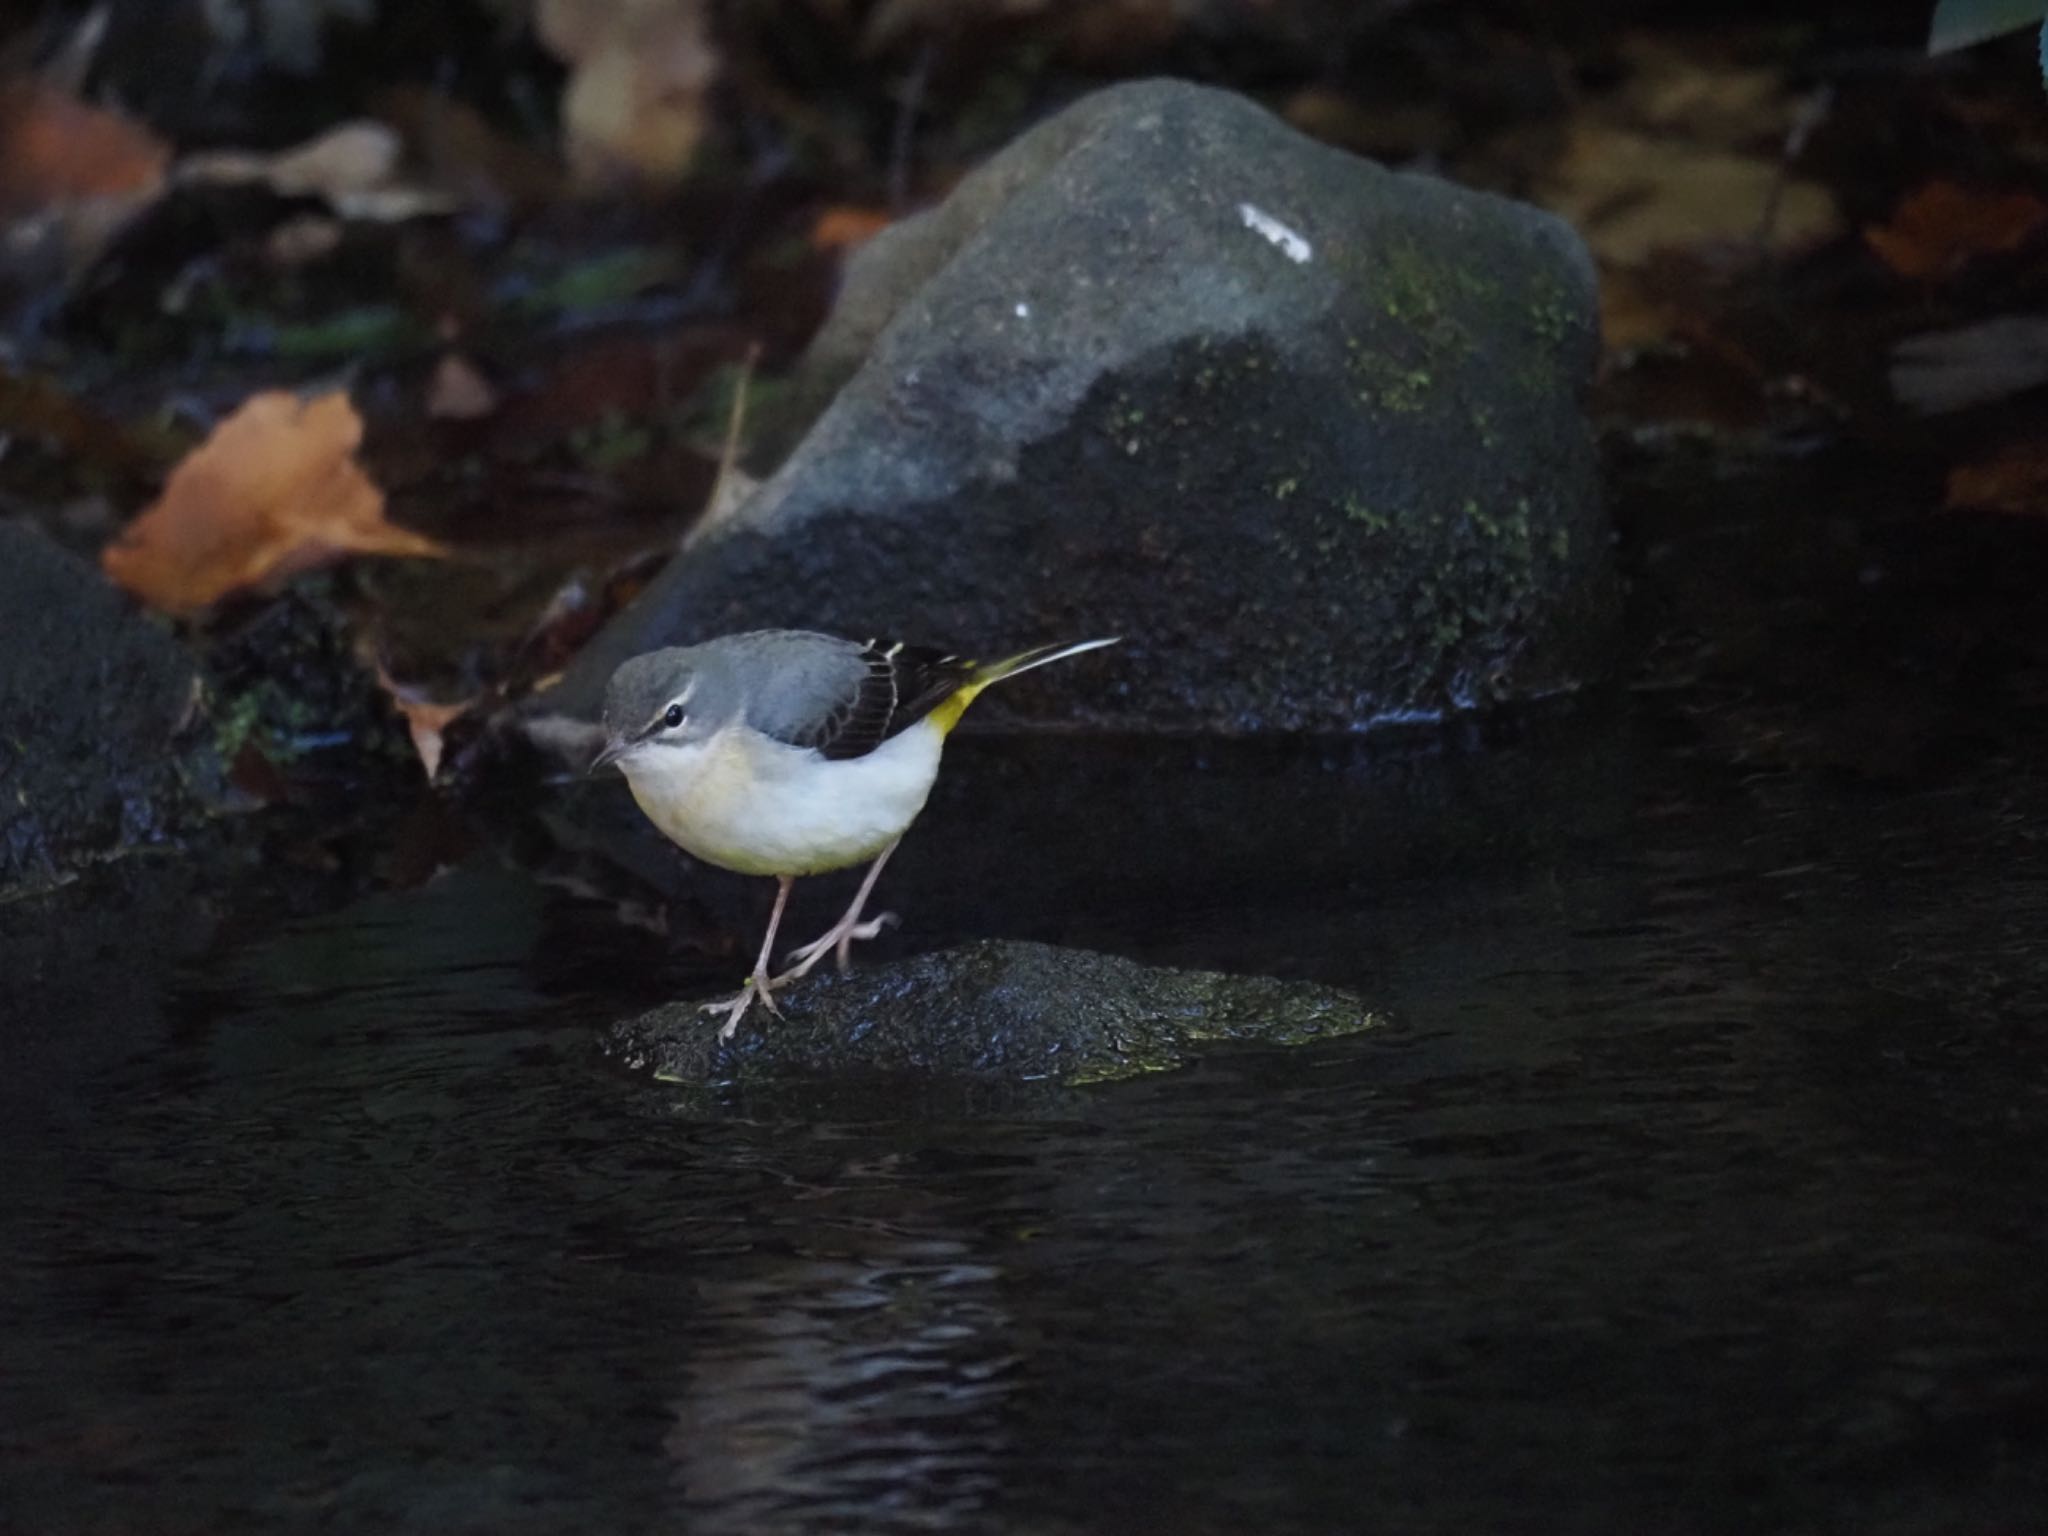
<point x="747" y="803"/>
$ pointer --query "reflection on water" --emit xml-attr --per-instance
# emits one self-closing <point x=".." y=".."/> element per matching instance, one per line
<point x="1695" y="1184"/>
<point x="842" y="1392"/>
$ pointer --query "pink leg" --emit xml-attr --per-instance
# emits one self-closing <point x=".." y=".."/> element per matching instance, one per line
<point x="840" y="936"/>
<point x="758" y="984"/>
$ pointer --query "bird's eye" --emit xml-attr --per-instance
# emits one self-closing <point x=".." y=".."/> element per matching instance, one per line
<point x="674" y="717"/>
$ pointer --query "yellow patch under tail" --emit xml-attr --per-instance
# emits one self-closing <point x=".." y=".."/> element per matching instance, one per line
<point x="948" y="714"/>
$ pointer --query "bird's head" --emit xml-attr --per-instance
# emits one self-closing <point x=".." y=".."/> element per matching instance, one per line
<point x="665" y="701"/>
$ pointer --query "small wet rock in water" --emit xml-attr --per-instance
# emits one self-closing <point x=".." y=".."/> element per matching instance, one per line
<point x="1307" y="432"/>
<point x="994" y="1009"/>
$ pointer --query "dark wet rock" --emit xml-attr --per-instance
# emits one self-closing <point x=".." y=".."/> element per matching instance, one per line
<point x="991" y="1009"/>
<point x="1047" y="834"/>
<point x="101" y="752"/>
<point x="1096" y="392"/>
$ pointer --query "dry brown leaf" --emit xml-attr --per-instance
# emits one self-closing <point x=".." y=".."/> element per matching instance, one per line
<point x="424" y="719"/>
<point x="1668" y="86"/>
<point x="273" y="491"/>
<point x="845" y="226"/>
<point x="463" y="154"/>
<point x="457" y="392"/>
<point x="353" y="166"/>
<point x="1379" y="130"/>
<point x="36" y="407"/>
<point x="893" y="20"/>
<point x="1669" y="358"/>
<point x="1631" y="194"/>
<point x="303" y="240"/>
<point x="1119" y="33"/>
<point x="71" y="176"/>
<point x="1937" y="229"/>
<point x="638" y="98"/>
<point x="353" y="157"/>
<point x="1957" y="367"/>
<point x="2014" y="480"/>
<point x="55" y="148"/>
<point x="1633" y="315"/>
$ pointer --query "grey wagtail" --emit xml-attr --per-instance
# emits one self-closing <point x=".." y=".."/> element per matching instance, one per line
<point x="782" y="752"/>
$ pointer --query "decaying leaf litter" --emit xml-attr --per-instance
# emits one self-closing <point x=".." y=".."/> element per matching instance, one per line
<point x="460" y="362"/>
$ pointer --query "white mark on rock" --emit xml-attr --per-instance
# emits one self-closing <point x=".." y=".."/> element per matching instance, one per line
<point x="1023" y="310"/>
<point x="1291" y="245"/>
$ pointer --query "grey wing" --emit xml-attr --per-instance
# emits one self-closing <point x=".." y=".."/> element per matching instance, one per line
<point x="803" y="687"/>
<point x="848" y="702"/>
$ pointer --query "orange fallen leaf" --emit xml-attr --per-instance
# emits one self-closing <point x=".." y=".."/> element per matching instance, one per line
<point x="72" y="176"/>
<point x="1941" y="226"/>
<point x="274" y="490"/>
<point x="457" y="392"/>
<point x="845" y="226"/>
<point x="424" y="719"/>
<point x="2014" y="480"/>
<point x="55" y="148"/>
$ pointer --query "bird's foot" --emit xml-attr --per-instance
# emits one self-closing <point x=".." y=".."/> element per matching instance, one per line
<point x="735" y="1008"/>
<point x="838" y="939"/>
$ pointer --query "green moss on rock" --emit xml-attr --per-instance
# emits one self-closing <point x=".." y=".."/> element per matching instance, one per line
<point x="1088" y="393"/>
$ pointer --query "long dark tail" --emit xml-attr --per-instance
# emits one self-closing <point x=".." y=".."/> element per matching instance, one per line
<point x="948" y="714"/>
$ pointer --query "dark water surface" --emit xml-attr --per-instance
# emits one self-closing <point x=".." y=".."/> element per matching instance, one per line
<point x="1699" y="1182"/>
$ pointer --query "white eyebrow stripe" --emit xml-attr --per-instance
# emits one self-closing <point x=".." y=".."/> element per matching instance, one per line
<point x="661" y="715"/>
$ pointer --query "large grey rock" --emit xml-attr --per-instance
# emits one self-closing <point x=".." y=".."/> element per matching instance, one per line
<point x="96" y="754"/>
<point x="1019" y="1013"/>
<point x="1307" y="432"/>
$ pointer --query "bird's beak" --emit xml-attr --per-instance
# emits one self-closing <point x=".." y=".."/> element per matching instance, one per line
<point x="614" y="749"/>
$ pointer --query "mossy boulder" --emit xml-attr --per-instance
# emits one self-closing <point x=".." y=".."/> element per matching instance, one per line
<point x="1013" y="1012"/>
<point x="102" y="748"/>
<point x="1307" y="432"/>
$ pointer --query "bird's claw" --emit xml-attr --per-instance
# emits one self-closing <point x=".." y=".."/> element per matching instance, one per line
<point x="802" y="959"/>
<point x="804" y="952"/>
<point x="735" y="1008"/>
<point x="874" y="927"/>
